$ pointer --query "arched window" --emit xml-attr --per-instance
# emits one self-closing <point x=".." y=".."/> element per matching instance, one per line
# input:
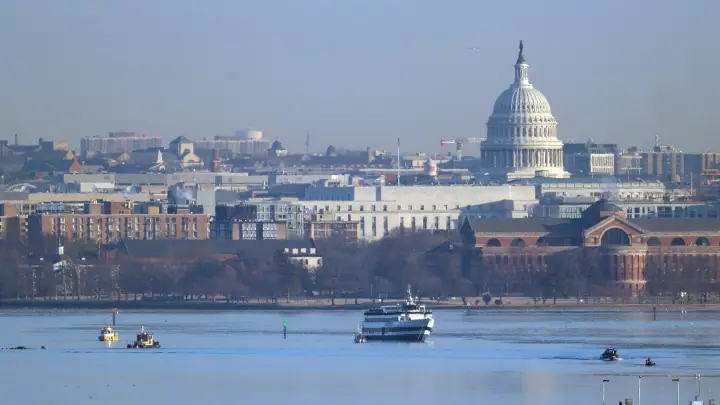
<point x="678" y="242"/>
<point x="543" y="242"/>
<point x="702" y="242"/>
<point x="653" y="242"/>
<point x="517" y="242"/>
<point x="494" y="243"/>
<point x="615" y="237"/>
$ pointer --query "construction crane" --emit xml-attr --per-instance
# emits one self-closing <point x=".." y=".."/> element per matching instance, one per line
<point x="459" y="142"/>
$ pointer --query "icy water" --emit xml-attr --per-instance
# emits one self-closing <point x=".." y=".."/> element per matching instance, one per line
<point x="497" y="357"/>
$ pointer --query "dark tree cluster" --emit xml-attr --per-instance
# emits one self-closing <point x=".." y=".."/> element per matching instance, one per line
<point x="39" y="273"/>
<point x="435" y="266"/>
<point x="574" y="273"/>
<point x="693" y="279"/>
<point x="437" y="269"/>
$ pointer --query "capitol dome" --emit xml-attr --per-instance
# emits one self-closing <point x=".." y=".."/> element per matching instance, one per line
<point x="521" y="100"/>
<point x="522" y="132"/>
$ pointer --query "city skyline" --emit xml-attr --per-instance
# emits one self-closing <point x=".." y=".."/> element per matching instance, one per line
<point x="352" y="75"/>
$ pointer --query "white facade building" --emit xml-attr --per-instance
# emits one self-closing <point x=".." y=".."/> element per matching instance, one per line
<point x="522" y="137"/>
<point x="591" y="163"/>
<point x="573" y="208"/>
<point x="382" y="209"/>
<point x="616" y="192"/>
<point x="603" y="163"/>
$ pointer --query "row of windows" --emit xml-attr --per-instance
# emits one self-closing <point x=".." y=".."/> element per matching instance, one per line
<point x="612" y="237"/>
<point x="633" y="212"/>
<point x="109" y="229"/>
<point x="126" y="220"/>
<point x="520" y="243"/>
<point x="524" y="131"/>
<point x="519" y="260"/>
<point x="385" y="208"/>
<point x="670" y="263"/>
<point x="128" y="234"/>
<point x="426" y="225"/>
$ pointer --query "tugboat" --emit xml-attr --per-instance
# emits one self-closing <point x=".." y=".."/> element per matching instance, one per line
<point x="108" y="334"/>
<point x="144" y="341"/>
<point x="610" y="354"/>
<point x="405" y="321"/>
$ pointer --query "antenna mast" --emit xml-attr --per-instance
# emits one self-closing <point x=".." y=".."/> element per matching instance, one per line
<point x="307" y="143"/>
<point x="398" y="162"/>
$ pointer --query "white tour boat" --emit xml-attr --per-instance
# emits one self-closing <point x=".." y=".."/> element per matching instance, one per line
<point x="405" y="321"/>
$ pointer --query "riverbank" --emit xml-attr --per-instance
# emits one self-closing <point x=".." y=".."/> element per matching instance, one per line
<point x="316" y="305"/>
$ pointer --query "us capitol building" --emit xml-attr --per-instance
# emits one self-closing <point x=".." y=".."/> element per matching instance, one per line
<point x="522" y="133"/>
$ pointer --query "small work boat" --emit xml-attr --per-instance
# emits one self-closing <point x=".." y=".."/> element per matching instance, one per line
<point x="108" y="334"/>
<point x="360" y="336"/>
<point x="144" y="340"/>
<point x="649" y="362"/>
<point x="610" y="354"/>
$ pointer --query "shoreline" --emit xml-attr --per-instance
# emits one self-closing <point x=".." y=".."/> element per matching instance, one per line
<point x="294" y="306"/>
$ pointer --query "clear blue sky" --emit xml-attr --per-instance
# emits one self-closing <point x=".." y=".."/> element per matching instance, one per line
<point x="356" y="72"/>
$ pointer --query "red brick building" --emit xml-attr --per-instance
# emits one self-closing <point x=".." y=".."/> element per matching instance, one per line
<point x="627" y="247"/>
<point x="111" y="221"/>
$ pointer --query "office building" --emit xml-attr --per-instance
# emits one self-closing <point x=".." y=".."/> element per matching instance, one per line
<point x="118" y="142"/>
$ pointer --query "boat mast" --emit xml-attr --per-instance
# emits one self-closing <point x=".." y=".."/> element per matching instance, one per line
<point x="410" y="299"/>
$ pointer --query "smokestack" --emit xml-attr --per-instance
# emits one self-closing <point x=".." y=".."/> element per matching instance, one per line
<point x="216" y="161"/>
<point x="16" y="142"/>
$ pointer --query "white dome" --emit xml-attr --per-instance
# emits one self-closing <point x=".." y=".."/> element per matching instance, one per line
<point x="519" y="105"/>
<point x="521" y="113"/>
<point x="522" y="132"/>
<point x="521" y="100"/>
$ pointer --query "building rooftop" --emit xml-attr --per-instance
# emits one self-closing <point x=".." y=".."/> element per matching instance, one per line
<point x="557" y="227"/>
<point x="678" y="225"/>
<point x="181" y="139"/>
<point x="553" y="226"/>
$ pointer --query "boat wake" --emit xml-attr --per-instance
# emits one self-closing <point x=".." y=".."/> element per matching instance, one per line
<point x="583" y="358"/>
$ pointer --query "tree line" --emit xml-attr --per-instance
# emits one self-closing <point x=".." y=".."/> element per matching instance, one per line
<point x="434" y="264"/>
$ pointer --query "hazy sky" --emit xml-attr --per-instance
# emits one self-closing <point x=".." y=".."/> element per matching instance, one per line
<point x="357" y="72"/>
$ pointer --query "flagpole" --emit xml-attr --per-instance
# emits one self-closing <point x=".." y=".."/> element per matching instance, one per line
<point x="398" y="163"/>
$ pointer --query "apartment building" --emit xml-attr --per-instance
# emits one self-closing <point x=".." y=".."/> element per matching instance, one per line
<point x="114" y="221"/>
<point x="248" y="230"/>
<point x="118" y="142"/>
<point x="258" y="220"/>
<point x="253" y="147"/>
<point x="320" y="228"/>
<point x="590" y="158"/>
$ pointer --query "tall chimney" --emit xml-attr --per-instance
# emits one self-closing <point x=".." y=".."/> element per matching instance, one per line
<point x="16" y="140"/>
<point x="216" y="161"/>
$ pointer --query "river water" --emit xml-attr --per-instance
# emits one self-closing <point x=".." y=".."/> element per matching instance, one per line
<point x="498" y="357"/>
